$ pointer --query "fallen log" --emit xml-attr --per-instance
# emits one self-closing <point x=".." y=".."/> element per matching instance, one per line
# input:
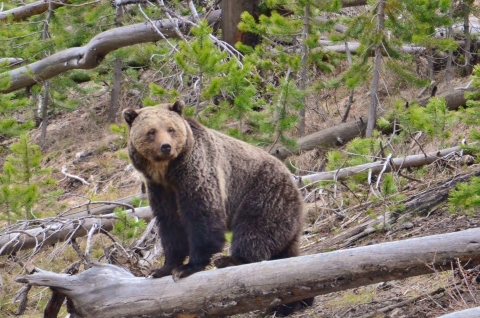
<point x="467" y="313"/>
<point x="105" y="207"/>
<point x="109" y="291"/>
<point x="59" y="230"/>
<point x="377" y="166"/>
<point x="454" y="98"/>
<point x="337" y="135"/>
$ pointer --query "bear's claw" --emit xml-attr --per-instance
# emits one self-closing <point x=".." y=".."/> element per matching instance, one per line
<point x="186" y="270"/>
<point x="160" y="272"/>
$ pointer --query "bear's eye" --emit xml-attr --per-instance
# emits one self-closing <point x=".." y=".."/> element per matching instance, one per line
<point x="171" y="130"/>
<point x="151" y="133"/>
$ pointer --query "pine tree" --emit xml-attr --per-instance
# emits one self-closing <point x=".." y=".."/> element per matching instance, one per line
<point x="21" y="169"/>
<point x="9" y="194"/>
<point x="282" y="65"/>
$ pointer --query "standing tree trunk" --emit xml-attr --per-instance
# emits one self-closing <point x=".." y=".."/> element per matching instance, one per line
<point x="117" y="86"/>
<point x="448" y="70"/>
<point x="46" y="85"/>
<point x="466" y="30"/>
<point x="372" y="112"/>
<point x="352" y="91"/>
<point x="231" y="11"/>
<point x="46" y="91"/>
<point x="117" y="75"/>
<point x="303" y="74"/>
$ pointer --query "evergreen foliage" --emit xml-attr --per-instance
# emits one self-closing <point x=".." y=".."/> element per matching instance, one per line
<point x="127" y="227"/>
<point x="122" y="131"/>
<point x="19" y="182"/>
<point x="466" y="197"/>
<point x="412" y="21"/>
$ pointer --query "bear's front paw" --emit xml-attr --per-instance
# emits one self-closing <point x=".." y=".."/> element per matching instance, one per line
<point x="160" y="272"/>
<point x="226" y="261"/>
<point x="186" y="270"/>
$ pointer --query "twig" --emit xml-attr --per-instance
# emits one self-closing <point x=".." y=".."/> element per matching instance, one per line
<point x="464" y="88"/>
<point x="387" y="162"/>
<point x="147" y="231"/>
<point x="156" y="29"/>
<point x="192" y="8"/>
<point x="86" y="259"/>
<point x="409" y="178"/>
<point x="89" y="239"/>
<point x="64" y="172"/>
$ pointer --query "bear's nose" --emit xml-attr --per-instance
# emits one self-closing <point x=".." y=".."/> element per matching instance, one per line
<point x="165" y="148"/>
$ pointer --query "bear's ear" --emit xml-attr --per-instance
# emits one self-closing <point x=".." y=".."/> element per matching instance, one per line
<point x="177" y="107"/>
<point x="130" y="115"/>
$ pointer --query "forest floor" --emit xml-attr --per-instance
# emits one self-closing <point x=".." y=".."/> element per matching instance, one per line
<point x="98" y="155"/>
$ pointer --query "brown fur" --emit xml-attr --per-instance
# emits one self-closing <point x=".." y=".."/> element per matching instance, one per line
<point x="210" y="183"/>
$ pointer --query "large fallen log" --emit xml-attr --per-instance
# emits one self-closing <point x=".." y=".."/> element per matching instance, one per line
<point x="467" y="313"/>
<point x="336" y="135"/>
<point x="108" y="291"/>
<point x="59" y="230"/>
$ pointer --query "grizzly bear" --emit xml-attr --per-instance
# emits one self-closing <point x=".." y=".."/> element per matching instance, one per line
<point x="201" y="183"/>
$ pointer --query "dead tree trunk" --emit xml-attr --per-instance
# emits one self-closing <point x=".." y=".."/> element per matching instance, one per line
<point x="109" y="291"/>
<point x="117" y="75"/>
<point x="372" y="112"/>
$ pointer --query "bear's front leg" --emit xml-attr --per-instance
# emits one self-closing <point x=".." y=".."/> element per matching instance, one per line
<point x="173" y="233"/>
<point x="204" y="220"/>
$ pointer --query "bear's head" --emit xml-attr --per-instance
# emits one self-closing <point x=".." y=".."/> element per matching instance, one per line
<point x="157" y="133"/>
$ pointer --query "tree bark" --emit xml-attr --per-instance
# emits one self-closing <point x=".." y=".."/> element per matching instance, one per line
<point x="231" y="11"/>
<point x="109" y="291"/>
<point x="372" y="112"/>
<point x="53" y="232"/>
<point x="91" y="55"/>
<point x="115" y="94"/>
<point x="117" y="75"/>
